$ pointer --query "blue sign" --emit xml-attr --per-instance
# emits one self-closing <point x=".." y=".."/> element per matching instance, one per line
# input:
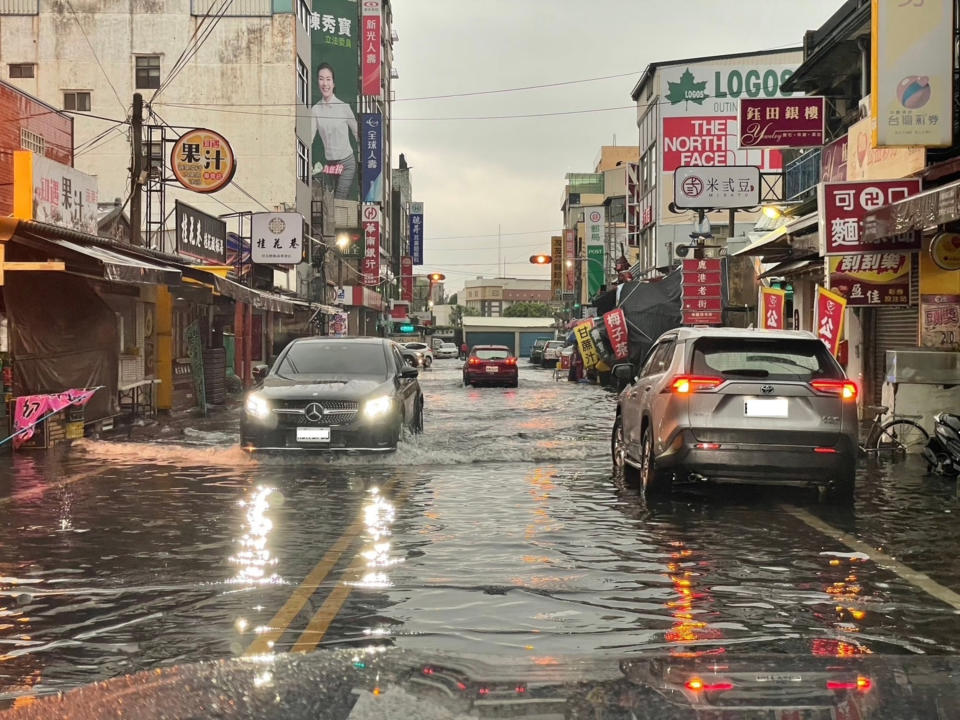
<point x="371" y="156"/>
<point x="416" y="232"/>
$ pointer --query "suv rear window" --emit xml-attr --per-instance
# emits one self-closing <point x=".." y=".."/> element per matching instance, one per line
<point x="492" y="354"/>
<point x="761" y="359"/>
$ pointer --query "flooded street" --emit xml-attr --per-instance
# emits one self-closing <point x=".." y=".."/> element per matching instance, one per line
<point x="498" y="532"/>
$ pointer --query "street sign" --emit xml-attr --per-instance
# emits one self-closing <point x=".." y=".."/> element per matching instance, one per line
<point x="703" y="292"/>
<point x="730" y="187"/>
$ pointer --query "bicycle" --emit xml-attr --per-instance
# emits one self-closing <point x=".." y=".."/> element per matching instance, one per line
<point x="895" y="438"/>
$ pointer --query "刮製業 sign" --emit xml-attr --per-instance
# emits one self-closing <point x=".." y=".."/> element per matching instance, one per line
<point x="872" y="279"/>
<point x="203" y="161"/>
<point x="276" y="238"/>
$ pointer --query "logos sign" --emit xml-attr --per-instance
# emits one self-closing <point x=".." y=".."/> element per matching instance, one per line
<point x="830" y="310"/>
<point x="773" y="306"/>
<point x="945" y="251"/>
<point x="371" y="158"/>
<point x="703" y="292"/>
<point x="717" y="187"/>
<point x="843" y="207"/>
<point x="203" y="161"/>
<point x="708" y="89"/>
<point x="872" y="279"/>
<point x="912" y="75"/>
<point x="47" y="191"/>
<point x="276" y="238"/>
<point x="371" y="59"/>
<point x="782" y="122"/>
<point x="866" y="162"/>
<point x="200" y="235"/>
<point x="370" y="226"/>
<point x="416" y="232"/>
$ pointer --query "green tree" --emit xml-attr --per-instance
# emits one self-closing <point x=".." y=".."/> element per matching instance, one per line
<point x="452" y="300"/>
<point x="456" y="315"/>
<point x="529" y="309"/>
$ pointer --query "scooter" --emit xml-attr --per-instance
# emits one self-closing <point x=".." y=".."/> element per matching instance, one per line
<point x="942" y="451"/>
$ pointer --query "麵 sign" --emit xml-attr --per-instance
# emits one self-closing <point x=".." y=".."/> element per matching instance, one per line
<point x="203" y="161"/>
<point x="370" y="226"/>
<point x="588" y="349"/>
<point x="616" y="324"/>
<point x="773" y="304"/>
<point x="782" y="122"/>
<point x="843" y="207"/>
<point x="830" y="309"/>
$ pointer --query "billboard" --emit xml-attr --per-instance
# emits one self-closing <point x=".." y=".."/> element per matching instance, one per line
<point x="595" y="220"/>
<point x="782" y="122"/>
<point x="703" y="292"/>
<point x="371" y="167"/>
<point x="47" y="191"/>
<point x="569" y="255"/>
<point x="416" y="232"/>
<point x="911" y="92"/>
<point x="843" y="207"/>
<point x="200" y="235"/>
<point x="717" y="187"/>
<point x="556" y="267"/>
<point x="865" y="162"/>
<point x="371" y="57"/>
<point x="370" y="218"/>
<point x="871" y="280"/>
<point x="334" y="87"/>
<point x="276" y="238"/>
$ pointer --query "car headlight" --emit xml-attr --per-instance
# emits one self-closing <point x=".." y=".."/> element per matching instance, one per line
<point x="377" y="407"/>
<point x="257" y="406"/>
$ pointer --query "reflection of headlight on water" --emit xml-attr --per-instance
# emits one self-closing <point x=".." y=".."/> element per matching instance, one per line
<point x="257" y="406"/>
<point x="377" y="407"/>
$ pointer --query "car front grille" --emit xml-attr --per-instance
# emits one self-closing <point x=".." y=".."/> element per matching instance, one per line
<point x="292" y="413"/>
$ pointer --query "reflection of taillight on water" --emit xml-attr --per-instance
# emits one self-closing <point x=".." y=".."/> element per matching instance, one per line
<point x="862" y="684"/>
<point x="698" y="685"/>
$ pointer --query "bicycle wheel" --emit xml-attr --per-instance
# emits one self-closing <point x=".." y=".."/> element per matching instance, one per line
<point x="900" y="437"/>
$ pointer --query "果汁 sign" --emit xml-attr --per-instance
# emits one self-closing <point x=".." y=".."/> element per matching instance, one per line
<point x="276" y="238"/>
<point x="50" y="192"/>
<point x="844" y="205"/>
<point x="702" y="292"/>
<point x="200" y="235"/>
<point x="872" y="279"/>
<point x="782" y="122"/>
<point x="716" y="187"/>
<point x="203" y="161"/>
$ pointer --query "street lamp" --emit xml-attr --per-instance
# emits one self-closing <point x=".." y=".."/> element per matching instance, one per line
<point x="343" y="241"/>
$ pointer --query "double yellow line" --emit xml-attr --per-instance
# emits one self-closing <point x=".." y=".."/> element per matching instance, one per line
<point x="322" y="619"/>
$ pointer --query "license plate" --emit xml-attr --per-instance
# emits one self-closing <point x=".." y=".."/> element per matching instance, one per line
<point x="492" y="369"/>
<point x="765" y="407"/>
<point x="313" y="434"/>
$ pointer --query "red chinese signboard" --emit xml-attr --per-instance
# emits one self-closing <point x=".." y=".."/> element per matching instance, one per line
<point x="406" y="278"/>
<point x="371" y="243"/>
<point x="940" y="321"/>
<point x="773" y="305"/>
<point x="371" y="55"/>
<point x="833" y="161"/>
<point x="830" y="309"/>
<point x="782" y="122"/>
<point x="703" y="292"/>
<point x="872" y="280"/>
<point x="844" y="205"/>
<point x="616" y="323"/>
<point x="570" y="250"/>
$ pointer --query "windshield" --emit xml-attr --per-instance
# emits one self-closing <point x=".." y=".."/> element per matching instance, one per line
<point x="780" y="359"/>
<point x="333" y="358"/>
<point x="492" y="354"/>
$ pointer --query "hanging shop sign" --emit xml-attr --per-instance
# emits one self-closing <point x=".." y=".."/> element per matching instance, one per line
<point x="866" y="162"/>
<point x="940" y="322"/>
<point x="773" y="306"/>
<point x="277" y="238"/>
<point x="371" y="55"/>
<point x="203" y="161"/>
<point x="371" y="157"/>
<point x="200" y="235"/>
<point x="596" y="222"/>
<point x="415" y="215"/>
<point x="830" y="311"/>
<point x="782" y="122"/>
<point x="702" y="293"/>
<point x="730" y="187"/>
<point x="843" y="207"/>
<point x="588" y="348"/>
<point x="617" y="333"/>
<point x="47" y="191"/>
<point x="556" y="267"/>
<point x="871" y="279"/>
<point x="370" y="226"/>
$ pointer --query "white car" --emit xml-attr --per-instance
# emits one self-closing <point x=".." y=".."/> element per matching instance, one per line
<point x="447" y="350"/>
<point x="551" y="353"/>
<point x="422" y="348"/>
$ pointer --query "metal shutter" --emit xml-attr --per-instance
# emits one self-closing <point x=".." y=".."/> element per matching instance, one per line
<point x="895" y="328"/>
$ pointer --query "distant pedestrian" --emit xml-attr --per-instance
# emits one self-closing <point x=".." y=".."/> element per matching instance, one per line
<point x="463" y="351"/>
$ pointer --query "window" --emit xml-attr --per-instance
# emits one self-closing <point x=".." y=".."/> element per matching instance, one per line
<point x="32" y="141"/>
<point x="77" y="100"/>
<point x="798" y="360"/>
<point x="303" y="82"/>
<point x="303" y="162"/>
<point x="303" y="14"/>
<point x="317" y="357"/>
<point x="148" y="71"/>
<point x="22" y="70"/>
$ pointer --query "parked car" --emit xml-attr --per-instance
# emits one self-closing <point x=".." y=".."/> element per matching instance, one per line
<point x="424" y="348"/>
<point x="416" y="358"/>
<point x="536" y="352"/>
<point x="551" y="353"/>
<point x="744" y="406"/>
<point x="446" y="351"/>
<point x="491" y="365"/>
<point x="334" y="394"/>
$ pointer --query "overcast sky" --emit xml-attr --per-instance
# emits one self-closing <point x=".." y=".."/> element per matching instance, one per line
<point x="473" y="175"/>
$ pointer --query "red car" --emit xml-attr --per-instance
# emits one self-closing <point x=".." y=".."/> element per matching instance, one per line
<point x="490" y="365"/>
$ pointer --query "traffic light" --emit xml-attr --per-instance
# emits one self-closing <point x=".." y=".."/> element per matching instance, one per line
<point x="540" y="259"/>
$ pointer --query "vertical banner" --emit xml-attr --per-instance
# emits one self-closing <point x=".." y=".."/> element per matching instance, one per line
<point x="773" y="305"/>
<point x="911" y="93"/>
<point x="570" y="254"/>
<point x="595" y="226"/>
<point x="406" y="278"/>
<point x="588" y="349"/>
<point x="416" y="232"/>
<point x="370" y="224"/>
<point x="829" y="322"/>
<point x="371" y="166"/>
<point x="616" y="324"/>
<point x="556" y="267"/>
<point x="371" y="56"/>
<point x="334" y="43"/>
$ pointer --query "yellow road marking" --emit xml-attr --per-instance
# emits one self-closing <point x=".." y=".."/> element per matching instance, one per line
<point x="915" y="578"/>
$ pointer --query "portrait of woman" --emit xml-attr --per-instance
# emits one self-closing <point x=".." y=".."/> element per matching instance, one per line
<point x="334" y="122"/>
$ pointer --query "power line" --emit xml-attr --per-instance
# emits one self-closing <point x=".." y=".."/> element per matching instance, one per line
<point x="83" y="32"/>
<point x="493" y="235"/>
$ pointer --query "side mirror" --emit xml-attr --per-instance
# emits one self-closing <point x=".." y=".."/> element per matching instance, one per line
<point x="408" y="373"/>
<point x="624" y="371"/>
<point x="259" y="373"/>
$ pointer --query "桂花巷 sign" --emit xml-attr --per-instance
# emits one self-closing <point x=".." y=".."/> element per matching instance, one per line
<point x="203" y="161"/>
<point x="872" y="279"/>
<point x="782" y="122"/>
<point x="200" y="235"/>
<point x="47" y="191"/>
<point x="371" y="48"/>
<point x="940" y="321"/>
<point x="370" y="218"/>
<point x="616" y="323"/>
<point x="276" y="238"/>
<point x="773" y="306"/>
<point x="829" y="322"/>
<point x="415" y="216"/>
<point x="588" y="349"/>
<point x="912" y="92"/>
<point x="732" y="186"/>
<point x="595" y="226"/>
<point x="702" y="293"/>
<point x="371" y="157"/>
<point x="844" y="205"/>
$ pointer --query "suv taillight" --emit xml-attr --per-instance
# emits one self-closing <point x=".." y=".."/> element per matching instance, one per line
<point x="684" y="384"/>
<point x="846" y="389"/>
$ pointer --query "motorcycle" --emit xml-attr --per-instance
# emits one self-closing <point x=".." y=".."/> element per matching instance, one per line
<point x="942" y="451"/>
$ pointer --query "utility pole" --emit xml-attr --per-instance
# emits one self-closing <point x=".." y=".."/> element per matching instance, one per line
<point x="136" y="170"/>
<point x="499" y="257"/>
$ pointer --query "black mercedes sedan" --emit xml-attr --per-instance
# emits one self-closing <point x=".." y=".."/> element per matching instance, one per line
<point x="334" y="394"/>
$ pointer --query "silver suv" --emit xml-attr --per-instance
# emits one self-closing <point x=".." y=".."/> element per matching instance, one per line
<point x="737" y="406"/>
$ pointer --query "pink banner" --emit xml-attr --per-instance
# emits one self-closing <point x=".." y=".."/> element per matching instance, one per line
<point x="371" y="59"/>
<point x="30" y="409"/>
<point x="617" y="333"/>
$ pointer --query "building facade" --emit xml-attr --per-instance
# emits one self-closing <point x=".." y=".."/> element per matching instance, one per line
<point x="490" y="297"/>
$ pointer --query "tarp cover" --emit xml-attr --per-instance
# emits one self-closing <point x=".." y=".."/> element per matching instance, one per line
<point x="63" y="336"/>
<point x="651" y="308"/>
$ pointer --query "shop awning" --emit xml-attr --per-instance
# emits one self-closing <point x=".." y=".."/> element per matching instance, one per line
<point x="782" y="242"/>
<point x="927" y="209"/>
<point x="259" y="299"/>
<point x="793" y="267"/>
